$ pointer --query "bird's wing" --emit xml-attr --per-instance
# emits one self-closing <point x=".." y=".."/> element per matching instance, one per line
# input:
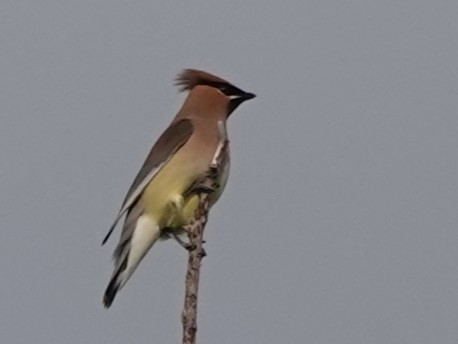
<point x="173" y="138"/>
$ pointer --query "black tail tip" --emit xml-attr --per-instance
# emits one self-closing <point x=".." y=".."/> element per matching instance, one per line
<point x="107" y="301"/>
<point x="110" y="294"/>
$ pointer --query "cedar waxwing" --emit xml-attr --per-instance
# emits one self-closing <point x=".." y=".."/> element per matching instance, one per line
<point x="163" y="196"/>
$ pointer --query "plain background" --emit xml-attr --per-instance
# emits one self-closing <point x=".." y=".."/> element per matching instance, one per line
<point x="339" y="222"/>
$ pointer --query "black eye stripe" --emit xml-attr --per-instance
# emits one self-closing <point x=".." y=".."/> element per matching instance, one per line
<point x="227" y="89"/>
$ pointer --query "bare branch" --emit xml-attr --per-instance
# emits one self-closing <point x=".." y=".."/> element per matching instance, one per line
<point x="195" y="231"/>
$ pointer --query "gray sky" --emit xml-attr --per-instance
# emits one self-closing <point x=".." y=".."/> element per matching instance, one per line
<point x="339" y="221"/>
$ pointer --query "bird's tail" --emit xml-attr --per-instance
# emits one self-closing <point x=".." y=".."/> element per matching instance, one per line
<point x="113" y="287"/>
<point x="132" y="247"/>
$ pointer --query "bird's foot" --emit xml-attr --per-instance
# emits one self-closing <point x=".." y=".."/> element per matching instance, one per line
<point x="186" y="245"/>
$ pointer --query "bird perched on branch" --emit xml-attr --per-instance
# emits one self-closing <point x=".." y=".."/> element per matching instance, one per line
<point x="164" y="194"/>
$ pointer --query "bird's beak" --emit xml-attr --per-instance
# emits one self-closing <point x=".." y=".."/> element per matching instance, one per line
<point x="238" y="99"/>
<point x="247" y="96"/>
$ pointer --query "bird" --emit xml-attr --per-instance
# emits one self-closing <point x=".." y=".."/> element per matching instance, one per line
<point x="163" y="198"/>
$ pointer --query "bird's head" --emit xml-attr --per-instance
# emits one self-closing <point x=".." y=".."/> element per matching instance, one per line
<point x="207" y="85"/>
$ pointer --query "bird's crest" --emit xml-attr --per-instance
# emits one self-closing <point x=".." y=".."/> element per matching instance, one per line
<point x="190" y="78"/>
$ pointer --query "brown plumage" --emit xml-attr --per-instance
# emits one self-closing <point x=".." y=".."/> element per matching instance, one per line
<point x="162" y="198"/>
<point x="189" y="78"/>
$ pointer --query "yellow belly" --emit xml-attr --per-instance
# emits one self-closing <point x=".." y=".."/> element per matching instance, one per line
<point x="163" y="200"/>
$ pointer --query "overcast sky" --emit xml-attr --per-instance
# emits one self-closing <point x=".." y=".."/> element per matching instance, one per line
<point x="339" y="221"/>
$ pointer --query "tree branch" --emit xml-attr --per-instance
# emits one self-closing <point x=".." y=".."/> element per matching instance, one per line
<point x="195" y="231"/>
